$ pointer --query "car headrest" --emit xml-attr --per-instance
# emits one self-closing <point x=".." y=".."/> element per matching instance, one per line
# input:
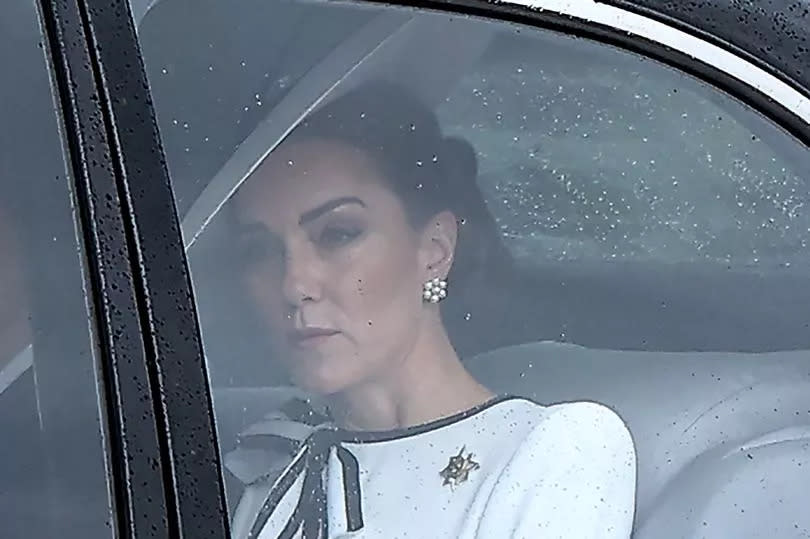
<point x="757" y="489"/>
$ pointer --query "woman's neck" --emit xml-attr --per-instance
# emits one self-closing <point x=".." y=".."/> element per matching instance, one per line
<point x="430" y="383"/>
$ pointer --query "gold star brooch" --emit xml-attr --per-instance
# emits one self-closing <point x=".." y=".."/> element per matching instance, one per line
<point x="458" y="469"/>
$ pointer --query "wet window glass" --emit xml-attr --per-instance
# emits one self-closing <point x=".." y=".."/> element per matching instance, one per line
<point x="417" y="239"/>
<point x="577" y="164"/>
<point x="53" y="480"/>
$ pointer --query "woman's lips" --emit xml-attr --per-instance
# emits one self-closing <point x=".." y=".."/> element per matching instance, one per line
<point x="308" y="337"/>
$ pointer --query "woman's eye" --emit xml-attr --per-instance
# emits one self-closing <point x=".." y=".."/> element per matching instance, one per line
<point x="336" y="236"/>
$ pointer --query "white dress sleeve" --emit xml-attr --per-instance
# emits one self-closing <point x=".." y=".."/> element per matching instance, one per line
<point x="573" y="477"/>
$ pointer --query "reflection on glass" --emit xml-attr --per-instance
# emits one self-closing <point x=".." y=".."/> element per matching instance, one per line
<point x="599" y="160"/>
<point x="53" y="480"/>
<point x="15" y="331"/>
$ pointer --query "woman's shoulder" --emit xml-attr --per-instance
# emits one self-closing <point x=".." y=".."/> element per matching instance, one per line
<point x="579" y="428"/>
<point x="573" y="475"/>
<point x="573" y="420"/>
<point x="591" y="415"/>
<point x="570" y="414"/>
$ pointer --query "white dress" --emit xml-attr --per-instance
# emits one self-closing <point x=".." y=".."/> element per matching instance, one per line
<point x="508" y="468"/>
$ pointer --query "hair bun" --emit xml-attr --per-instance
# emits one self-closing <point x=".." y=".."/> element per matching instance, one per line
<point x="459" y="161"/>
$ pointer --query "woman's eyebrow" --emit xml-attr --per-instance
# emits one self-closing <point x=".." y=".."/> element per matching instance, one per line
<point x="311" y="215"/>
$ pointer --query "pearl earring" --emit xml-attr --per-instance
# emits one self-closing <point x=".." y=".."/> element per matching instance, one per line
<point x="435" y="290"/>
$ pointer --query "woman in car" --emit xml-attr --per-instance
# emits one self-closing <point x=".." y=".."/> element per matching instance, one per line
<point x="358" y="231"/>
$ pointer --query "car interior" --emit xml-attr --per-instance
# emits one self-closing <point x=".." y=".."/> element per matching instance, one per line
<point x="706" y="363"/>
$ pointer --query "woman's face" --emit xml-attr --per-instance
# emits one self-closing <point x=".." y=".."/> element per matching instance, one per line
<point x="335" y="266"/>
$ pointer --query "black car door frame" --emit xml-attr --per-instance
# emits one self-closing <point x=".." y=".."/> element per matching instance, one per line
<point x="164" y="465"/>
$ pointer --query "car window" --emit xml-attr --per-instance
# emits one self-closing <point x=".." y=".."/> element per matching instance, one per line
<point x="231" y="68"/>
<point x="593" y="161"/>
<point x="51" y="427"/>
<point x="602" y="199"/>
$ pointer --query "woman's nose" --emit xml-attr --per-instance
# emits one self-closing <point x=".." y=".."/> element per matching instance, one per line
<point x="302" y="279"/>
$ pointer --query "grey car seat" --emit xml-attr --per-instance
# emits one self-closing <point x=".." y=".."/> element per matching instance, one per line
<point x="723" y="439"/>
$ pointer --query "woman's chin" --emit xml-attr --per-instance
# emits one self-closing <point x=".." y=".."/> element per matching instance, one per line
<point x="322" y="382"/>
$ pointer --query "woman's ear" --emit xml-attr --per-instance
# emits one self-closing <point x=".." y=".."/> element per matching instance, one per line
<point x="437" y="245"/>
